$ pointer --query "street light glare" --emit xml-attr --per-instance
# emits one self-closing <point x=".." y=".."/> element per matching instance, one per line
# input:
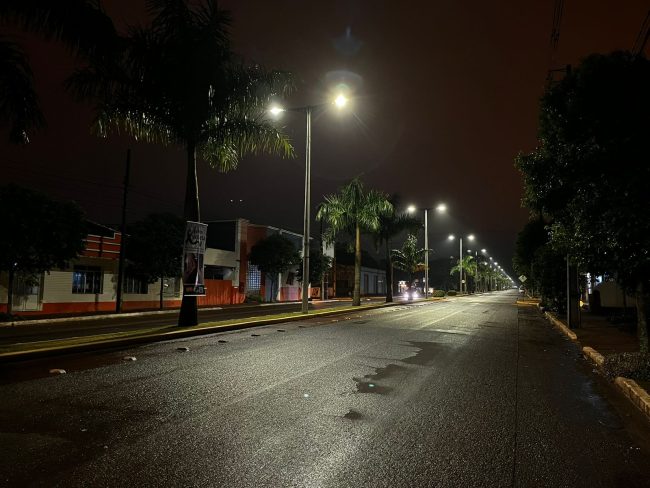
<point x="341" y="101"/>
<point x="471" y="237"/>
<point x="483" y="251"/>
<point x="451" y="237"/>
<point x="411" y="208"/>
<point x="275" y="110"/>
<point x="441" y="208"/>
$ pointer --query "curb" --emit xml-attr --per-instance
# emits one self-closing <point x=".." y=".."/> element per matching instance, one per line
<point x="637" y="395"/>
<point x="178" y="334"/>
<point x="593" y="355"/>
<point x="560" y="325"/>
<point x="147" y="313"/>
<point x="630" y="388"/>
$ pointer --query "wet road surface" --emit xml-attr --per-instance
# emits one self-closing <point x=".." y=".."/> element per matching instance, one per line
<point x="466" y="392"/>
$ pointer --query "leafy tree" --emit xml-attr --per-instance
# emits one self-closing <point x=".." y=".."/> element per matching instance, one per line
<point x="274" y="255"/>
<point x="410" y="258"/>
<point x="354" y="209"/>
<point x="155" y="248"/>
<point x="390" y="226"/>
<point x="39" y="233"/>
<point x="319" y="264"/>
<point x="177" y="81"/>
<point x="590" y="171"/>
<point x="468" y="268"/>
<point x="532" y="237"/>
<point x="81" y="25"/>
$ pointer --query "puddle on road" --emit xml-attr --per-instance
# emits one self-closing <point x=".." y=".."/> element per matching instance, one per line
<point x="425" y="355"/>
<point x="353" y="415"/>
<point x="369" y="383"/>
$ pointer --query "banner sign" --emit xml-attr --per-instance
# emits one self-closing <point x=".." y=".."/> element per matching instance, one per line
<point x="193" y="252"/>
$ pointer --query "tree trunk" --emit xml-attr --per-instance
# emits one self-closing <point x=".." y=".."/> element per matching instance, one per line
<point x="356" y="295"/>
<point x="10" y="290"/>
<point x="389" y="273"/>
<point x="189" y="313"/>
<point x="642" y="300"/>
<point x="162" y="286"/>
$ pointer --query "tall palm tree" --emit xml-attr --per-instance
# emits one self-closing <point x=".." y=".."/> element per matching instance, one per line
<point x="390" y="226"/>
<point x="353" y="209"/>
<point x="410" y="258"/>
<point x="81" y="25"/>
<point x="468" y="268"/>
<point x="177" y="81"/>
<point x="19" y="107"/>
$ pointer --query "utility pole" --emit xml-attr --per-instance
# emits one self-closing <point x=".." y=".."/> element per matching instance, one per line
<point x="120" y="268"/>
<point x="305" y="236"/>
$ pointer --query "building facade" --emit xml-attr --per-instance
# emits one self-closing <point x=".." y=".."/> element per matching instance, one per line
<point x="89" y="283"/>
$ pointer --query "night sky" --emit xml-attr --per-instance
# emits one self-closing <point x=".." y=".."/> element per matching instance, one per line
<point x="446" y="95"/>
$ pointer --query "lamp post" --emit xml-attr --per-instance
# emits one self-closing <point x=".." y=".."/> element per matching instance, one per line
<point x="460" y="258"/>
<point x="440" y="208"/>
<point x="340" y="101"/>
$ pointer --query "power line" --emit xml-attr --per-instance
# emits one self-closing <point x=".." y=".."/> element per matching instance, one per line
<point x="642" y="36"/>
<point x="558" y="12"/>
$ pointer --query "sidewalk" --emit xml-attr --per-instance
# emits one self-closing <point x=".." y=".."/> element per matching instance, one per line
<point x="605" y="337"/>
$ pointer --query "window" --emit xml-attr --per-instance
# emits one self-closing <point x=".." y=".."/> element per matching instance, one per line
<point x="133" y="284"/>
<point x="253" y="279"/>
<point x="87" y="279"/>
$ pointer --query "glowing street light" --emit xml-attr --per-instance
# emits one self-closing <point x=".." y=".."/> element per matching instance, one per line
<point x="440" y="208"/>
<point x="340" y="101"/>
<point x="470" y="237"/>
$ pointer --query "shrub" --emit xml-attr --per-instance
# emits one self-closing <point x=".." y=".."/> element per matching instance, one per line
<point x="633" y="365"/>
<point x="451" y="293"/>
<point x="7" y="317"/>
<point x="439" y="293"/>
<point x="254" y="297"/>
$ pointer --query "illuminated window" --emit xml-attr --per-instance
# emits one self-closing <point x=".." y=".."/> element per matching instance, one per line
<point x="253" y="279"/>
<point x="87" y="279"/>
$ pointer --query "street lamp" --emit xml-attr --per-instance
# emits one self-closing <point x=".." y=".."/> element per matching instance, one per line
<point x="439" y="208"/>
<point x="460" y="258"/>
<point x="340" y="102"/>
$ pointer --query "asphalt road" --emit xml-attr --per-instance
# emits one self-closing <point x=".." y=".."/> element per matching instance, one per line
<point x="72" y="327"/>
<point x="468" y="392"/>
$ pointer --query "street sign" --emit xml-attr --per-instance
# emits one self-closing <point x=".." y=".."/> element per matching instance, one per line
<point x="523" y="278"/>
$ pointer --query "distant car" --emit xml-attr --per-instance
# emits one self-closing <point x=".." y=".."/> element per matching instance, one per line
<point x="411" y="293"/>
<point x="521" y="289"/>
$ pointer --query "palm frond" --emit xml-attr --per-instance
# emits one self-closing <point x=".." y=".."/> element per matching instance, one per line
<point x="19" y="105"/>
<point x="81" y="25"/>
<point x="232" y="139"/>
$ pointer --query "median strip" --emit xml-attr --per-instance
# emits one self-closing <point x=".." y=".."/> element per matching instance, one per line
<point x="36" y="349"/>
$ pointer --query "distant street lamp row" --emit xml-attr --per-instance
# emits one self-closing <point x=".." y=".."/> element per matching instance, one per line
<point x="341" y="101"/>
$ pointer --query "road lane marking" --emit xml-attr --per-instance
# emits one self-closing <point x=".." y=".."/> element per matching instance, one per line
<point x="439" y="319"/>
